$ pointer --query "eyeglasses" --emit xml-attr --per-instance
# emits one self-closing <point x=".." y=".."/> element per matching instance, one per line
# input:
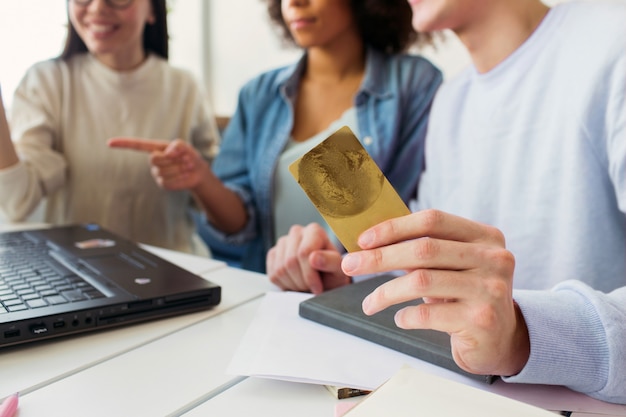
<point x="115" y="4"/>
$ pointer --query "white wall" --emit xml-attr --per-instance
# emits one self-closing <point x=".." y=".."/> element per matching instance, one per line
<point x="187" y="37"/>
<point x="30" y="31"/>
<point x="242" y="43"/>
<point x="34" y="30"/>
<point x="236" y="43"/>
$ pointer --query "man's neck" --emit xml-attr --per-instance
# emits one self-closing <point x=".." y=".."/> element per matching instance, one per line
<point x="500" y="31"/>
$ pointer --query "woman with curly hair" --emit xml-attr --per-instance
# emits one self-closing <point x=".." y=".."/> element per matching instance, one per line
<point x="353" y="72"/>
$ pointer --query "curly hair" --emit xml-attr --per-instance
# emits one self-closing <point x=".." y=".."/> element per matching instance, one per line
<point x="384" y="25"/>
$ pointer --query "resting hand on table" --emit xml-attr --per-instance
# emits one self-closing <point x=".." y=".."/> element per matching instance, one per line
<point x="306" y="260"/>
<point x="176" y="165"/>
<point x="464" y="274"/>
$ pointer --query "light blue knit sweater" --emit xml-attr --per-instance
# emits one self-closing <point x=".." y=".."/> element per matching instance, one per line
<point x="537" y="147"/>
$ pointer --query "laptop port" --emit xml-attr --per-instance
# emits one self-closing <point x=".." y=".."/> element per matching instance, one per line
<point x="58" y="324"/>
<point x="39" y="328"/>
<point x="11" y="333"/>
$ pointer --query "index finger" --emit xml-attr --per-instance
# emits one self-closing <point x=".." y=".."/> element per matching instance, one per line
<point x="429" y="223"/>
<point x="138" y="144"/>
<point x="314" y="239"/>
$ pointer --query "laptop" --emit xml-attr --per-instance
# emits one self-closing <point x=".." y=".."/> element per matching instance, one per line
<point x="71" y="279"/>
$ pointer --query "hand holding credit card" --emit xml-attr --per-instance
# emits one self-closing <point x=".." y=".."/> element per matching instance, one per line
<point x="346" y="186"/>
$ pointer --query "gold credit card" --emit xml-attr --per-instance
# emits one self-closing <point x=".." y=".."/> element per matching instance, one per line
<point x="346" y="186"/>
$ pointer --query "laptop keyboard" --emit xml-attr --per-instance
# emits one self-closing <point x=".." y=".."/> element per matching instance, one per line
<point x="31" y="278"/>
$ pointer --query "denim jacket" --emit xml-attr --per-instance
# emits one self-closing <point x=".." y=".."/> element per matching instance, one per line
<point x="392" y="107"/>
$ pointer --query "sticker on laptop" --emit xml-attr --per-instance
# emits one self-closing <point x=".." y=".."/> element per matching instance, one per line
<point x="95" y="243"/>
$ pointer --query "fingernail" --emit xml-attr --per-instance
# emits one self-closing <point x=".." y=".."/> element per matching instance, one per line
<point x="350" y="263"/>
<point x="366" y="238"/>
<point x="316" y="289"/>
<point x="366" y="305"/>
<point x="400" y="319"/>
<point x="317" y="261"/>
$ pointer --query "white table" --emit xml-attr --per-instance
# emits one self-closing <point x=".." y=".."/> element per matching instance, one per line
<point x="154" y="379"/>
<point x="167" y="367"/>
<point x="34" y="366"/>
<point x="266" y="397"/>
<point x="152" y="368"/>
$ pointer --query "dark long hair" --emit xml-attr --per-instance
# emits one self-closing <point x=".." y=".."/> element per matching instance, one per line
<point x="155" y="35"/>
<point x="384" y="25"/>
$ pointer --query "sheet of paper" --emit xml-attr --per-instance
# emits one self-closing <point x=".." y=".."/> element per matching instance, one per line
<point x="410" y="390"/>
<point x="280" y="344"/>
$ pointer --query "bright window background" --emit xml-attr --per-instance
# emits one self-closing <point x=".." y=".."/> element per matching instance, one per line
<point x="30" y="31"/>
<point x="222" y="42"/>
<point x="34" y="30"/>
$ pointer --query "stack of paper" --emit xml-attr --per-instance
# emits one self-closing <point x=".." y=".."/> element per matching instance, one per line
<point x="282" y="345"/>
<point x="411" y="392"/>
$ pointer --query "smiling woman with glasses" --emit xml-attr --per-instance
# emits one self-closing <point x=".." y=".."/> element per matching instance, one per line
<point x="116" y="4"/>
<point x="155" y="34"/>
<point x="111" y="80"/>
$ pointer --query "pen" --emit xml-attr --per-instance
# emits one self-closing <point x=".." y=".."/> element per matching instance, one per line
<point x="9" y="405"/>
<point x="345" y="392"/>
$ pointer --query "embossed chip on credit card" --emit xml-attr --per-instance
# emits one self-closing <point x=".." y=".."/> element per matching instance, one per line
<point x="346" y="186"/>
